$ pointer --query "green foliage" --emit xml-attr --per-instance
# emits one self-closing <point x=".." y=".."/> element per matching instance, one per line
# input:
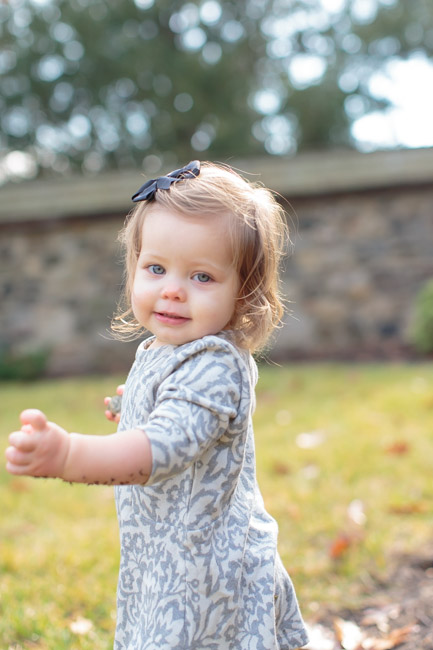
<point x="24" y="367"/>
<point x="370" y="433"/>
<point x="213" y="78"/>
<point x="422" y="334"/>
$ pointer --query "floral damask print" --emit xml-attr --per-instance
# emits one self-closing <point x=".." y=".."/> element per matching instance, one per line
<point x="199" y="567"/>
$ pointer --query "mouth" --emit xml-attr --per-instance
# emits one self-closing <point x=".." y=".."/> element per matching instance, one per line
<point x="169" y="318"/>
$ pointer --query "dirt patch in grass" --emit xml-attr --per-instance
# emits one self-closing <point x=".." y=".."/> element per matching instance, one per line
<point x="398" y="613"/>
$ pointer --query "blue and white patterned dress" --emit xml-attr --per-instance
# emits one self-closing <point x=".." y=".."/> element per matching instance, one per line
<point x="199" y="565"/>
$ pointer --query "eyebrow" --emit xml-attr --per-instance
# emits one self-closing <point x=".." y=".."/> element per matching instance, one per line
<point x="151" y="253"/>
<point x="208" y="264"/>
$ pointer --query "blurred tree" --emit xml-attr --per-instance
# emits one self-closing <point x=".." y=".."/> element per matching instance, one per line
<point x="92" y="84"/>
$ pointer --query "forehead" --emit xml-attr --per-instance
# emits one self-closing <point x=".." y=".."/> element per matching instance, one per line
<point x="192" y="238"/>
<point x="163" y="222"/>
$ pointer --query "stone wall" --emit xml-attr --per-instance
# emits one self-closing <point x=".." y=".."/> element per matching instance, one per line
<point x="59" y="285"/>
<point x="359" y="259"/>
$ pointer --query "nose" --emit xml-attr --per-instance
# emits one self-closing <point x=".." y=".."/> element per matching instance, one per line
<point x="174" y="291"/>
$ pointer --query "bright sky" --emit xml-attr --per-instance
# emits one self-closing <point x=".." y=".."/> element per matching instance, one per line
<point x="408" y="84"/>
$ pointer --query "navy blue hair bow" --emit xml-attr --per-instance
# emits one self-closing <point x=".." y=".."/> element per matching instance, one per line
<point x="147" y="191"/>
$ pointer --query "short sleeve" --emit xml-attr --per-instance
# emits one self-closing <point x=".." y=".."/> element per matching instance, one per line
<point x="193" y="409"/>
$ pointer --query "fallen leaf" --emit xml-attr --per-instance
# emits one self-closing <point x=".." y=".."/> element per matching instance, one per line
<point x="20" y="485"/>
<point x="392" y="640"/>
<point x="81" y="625"/>
<point x="381" y="615"/>
<point x="397" y="636"/>
<point x="293" y="510"/>
<point x="320" y="638"/>
<point x="283" y="417"/>
<point x="281" y="468"/>
<point x="377" y="617"/>
<point x="310" y="440"/>
<point x="340" y="545"/>
<point x="356" y="512"/>
<point x="310" y="472"/>
<point x="413" y="508"/>
<point x="398" y="448"/>
<point x="349" y="634"/>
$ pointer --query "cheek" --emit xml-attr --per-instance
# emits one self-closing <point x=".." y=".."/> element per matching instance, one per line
<point x="225" y="307"/>
<point x="134" y="305"/>
<point x="233" y="304"/>
<point x="139" y="294"/>
<point x="133" y="294"/>
<point x="139" y="286"/>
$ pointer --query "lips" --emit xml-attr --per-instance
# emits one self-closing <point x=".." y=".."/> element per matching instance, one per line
<point x="170" y="319"/>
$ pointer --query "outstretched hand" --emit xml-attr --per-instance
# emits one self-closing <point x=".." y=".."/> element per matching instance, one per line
<point x="40" y="448"/>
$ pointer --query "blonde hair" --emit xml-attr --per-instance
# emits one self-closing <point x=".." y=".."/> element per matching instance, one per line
<point x="258" y="235"/>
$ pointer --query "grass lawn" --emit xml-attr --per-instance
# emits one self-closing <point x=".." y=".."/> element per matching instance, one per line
<point x="344" y="462"/>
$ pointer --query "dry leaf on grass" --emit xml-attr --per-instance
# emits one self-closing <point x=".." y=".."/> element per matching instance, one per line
<point x="281" y="468"/>
<point x="356" y="512"/>
<point x="310" y="439"/>
<point x="398" y="448"/>
<point x="343" y="542"/>
<point x="381" y="617"/>
<point x="377" y="617"/>
<point x="349" y="634"/>
<point x="392" y="640"/>
<point x="20" y="485"/>
<point x="340" y="545"/>
<point x="320" y="637"/>
<point x="412" y="508"/>
<point x="81" y="625"/>
<point x="351" y="637"/>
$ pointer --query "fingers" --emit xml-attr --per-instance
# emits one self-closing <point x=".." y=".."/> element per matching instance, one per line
<point x="16" y="456"/>
<point x="111" y="416"/>
<point x="17" y="470"/>
<point x="22" y="441"/>
<point x="39" y="448"/>
<point x="113" y="405"/>
<point x="18" y="459"/>
<point x="33" y="418"/>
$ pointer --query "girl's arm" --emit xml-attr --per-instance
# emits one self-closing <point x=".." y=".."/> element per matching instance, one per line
<point x="44" y="449"/>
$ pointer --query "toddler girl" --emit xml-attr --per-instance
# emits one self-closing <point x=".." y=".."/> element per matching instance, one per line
<point x="199" y="564"/>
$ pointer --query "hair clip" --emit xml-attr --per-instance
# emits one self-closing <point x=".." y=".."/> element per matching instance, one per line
<point x="148" y="190"/>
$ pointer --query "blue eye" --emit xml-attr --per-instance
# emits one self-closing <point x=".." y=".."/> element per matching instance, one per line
<point x="202" y="277"/>
<point x="156" y="269"/>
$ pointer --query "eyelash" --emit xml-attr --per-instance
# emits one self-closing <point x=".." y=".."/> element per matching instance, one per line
<point x="196" y="276"/>
<point x="152" y="268"/>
